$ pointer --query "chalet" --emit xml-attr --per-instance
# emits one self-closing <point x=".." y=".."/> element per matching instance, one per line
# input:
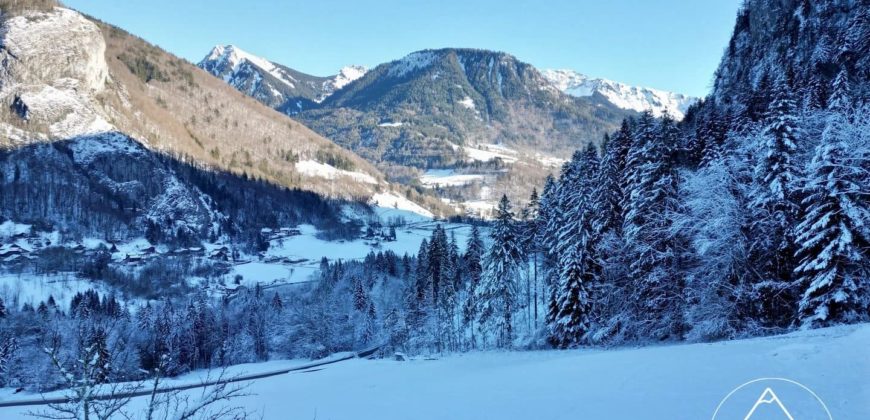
<point x="133" y="259"/>
<point x="12" y="250"/>
<point x="221" y="254"/>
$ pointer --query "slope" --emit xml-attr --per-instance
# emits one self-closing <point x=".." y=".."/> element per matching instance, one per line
<point x="666" y="382"/>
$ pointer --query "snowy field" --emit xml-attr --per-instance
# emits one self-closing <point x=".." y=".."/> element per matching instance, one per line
<point x="448" y="178"/>
<point x="664" y="382"/>
<point x="19" y="289"/>
<point x="308" y="249"/>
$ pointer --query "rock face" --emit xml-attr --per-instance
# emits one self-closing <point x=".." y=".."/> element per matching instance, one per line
<point x="51" y="66"/>
<point x="806" y="44"/>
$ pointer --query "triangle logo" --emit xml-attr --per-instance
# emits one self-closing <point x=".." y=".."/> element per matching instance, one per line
<point x="768" y="398"/>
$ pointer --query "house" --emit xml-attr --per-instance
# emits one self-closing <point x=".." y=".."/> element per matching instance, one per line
<point x="14" y="249"/>
<point x="221" y="254"/>
<point x="133" y="259"/>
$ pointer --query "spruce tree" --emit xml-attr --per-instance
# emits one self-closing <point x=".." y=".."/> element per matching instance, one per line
<point x="550" y="216"/>
<point x="473" y="262"/>
<point x="496" y="296"/>
<point x="834" y="236"/>
<point x="577" y="261"/>
<point x="656" y="289"/>
<point x="607" y="193"/>
<point x="774" y="201"/>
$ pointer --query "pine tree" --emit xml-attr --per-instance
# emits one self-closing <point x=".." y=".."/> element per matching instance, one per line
<point x="497" y="292"/>
<point x="607" y="195"/>
<point x="370" y="324"/>
<point x="360" y="297"/>
<point x="656" y="289"/>
<point x="473" y="263"/>
<point x="774" y="201"/>
<point x="550" y="215"/>
<point x="277" y="304"/>
<point x="534" y="228"/>
<point x="841" y="93"/>
<point x="577" y="263"/>
<point x="834" y="237"/>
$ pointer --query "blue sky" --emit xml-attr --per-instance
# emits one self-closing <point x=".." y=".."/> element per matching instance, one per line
<point x="667" y="44"/>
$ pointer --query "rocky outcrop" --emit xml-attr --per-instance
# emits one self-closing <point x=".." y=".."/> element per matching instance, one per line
<point x="52" y="64"/>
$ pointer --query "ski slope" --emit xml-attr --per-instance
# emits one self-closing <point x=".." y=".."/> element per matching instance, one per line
<point x="661" y="382"/>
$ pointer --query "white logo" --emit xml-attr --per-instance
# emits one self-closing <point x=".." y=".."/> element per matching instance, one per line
<point x="768" y="397"/>
<point x="774" y="398"/>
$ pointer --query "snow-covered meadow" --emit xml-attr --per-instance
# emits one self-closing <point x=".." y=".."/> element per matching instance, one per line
<point x="656" y="382"/>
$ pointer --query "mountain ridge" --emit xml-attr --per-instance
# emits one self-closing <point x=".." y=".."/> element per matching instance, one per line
<point x="625" y="96"/>
<point x="276" y="85"/>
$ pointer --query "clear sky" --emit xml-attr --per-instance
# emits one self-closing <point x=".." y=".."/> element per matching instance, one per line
<point x="668" y="44"/>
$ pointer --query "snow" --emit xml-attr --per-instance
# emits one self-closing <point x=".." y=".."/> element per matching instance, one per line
<point x="306" y="249"/>
<point x="481" y="208"/>
<point x="391" y="124"/>
<point x="316" y="169"/>
<point x="487" y="152"/>
<point x="448" y="177"/>
<point x="468" y="103"/>
<point x="234" y="56"/>
<point x="663" y="382"/>
<point x="35" y="36"/>
<point x="347" y="75"/>
<point x="410" y="63"/>
<point x="69" y="112"/>
<point x="266" y="273"/>
<point x="622" y="95"/>
<point x="16" y="290"/>
<point x="10" y="228"/>
<point x="393" y="200"/>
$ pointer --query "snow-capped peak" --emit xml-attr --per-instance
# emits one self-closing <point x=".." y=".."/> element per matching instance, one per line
<point x="622" y="95"/>
<point x="228" y="58"/>
<point x="346" y="75"/>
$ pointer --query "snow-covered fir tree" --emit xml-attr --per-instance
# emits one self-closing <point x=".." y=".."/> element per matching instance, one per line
<point x="578" y="265"/>
<point x="496" y="295"/>
<point x="656" y="291"/>
<point x="834" y="236"/>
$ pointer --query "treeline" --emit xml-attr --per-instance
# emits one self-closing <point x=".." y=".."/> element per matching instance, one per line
<point x="737" y="227"/>
<point x="110" y="187"/>
<point x="174" y="336"/>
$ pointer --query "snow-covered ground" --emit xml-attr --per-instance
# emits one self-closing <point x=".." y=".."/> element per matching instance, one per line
<point x="661" y="382"/>
<point x="289" y="259"/>
<point x="316" y="169"/>
<point x="448" y="177"/>
<point x="19" y="289"/>
<point x="306" y="250"/>
<point x="488" y="152"/>
<point x="390" y="200"/>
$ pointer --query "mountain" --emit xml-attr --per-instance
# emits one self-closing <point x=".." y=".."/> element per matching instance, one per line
<point x="804" y="44"/>
<point x="106" y="134"/>
<point x="486" y="114"/>
<point x="273" y="84"/>
<point x="416" y="111"/>
<point x="624" y="96"/>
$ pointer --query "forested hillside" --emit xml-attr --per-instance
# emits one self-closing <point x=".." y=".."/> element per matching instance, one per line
<point x="748" y="218"/>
